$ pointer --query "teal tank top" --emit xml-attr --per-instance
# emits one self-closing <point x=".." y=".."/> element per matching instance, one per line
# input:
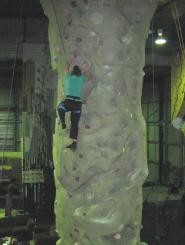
<point x="74" y="85"/>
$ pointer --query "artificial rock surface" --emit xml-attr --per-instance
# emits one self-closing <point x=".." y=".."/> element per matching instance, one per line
<point x="99" y="187"/>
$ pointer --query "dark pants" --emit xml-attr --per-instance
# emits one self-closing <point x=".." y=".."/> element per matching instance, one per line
<point x="75" y="107"/>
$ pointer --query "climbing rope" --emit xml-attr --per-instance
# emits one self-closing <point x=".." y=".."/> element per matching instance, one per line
<point x="60" y="32"/>
<point x="154" y="188"/>
<point x="153" y="63"/>
<point x="11" y="88"/>
<point x="181" y="44"/>
<point x="178" y="27"/>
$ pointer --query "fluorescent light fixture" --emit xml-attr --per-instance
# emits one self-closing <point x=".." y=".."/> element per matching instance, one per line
<point x="160" y="40"/>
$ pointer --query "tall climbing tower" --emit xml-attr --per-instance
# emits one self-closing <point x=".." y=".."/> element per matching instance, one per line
<point x="99" y="186"/>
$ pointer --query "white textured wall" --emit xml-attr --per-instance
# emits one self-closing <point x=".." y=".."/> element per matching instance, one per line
<point x="99" y="187"/>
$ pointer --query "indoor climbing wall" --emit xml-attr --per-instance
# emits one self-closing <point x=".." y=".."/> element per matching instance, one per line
<point x="99" y="186"/>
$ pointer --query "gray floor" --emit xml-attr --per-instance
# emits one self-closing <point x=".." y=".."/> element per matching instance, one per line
<point x="164" y="223"/>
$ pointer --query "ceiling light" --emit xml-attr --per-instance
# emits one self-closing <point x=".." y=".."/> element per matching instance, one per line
<point x="160" y="40"/>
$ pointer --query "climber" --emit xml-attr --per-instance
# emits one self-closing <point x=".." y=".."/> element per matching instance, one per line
<point x="75" y="96"/>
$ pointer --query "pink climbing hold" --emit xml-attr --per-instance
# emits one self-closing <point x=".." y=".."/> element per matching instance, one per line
<point x="58" y="50"/>
<point x="67" y="13"/>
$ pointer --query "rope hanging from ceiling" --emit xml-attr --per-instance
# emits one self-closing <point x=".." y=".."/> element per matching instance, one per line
<point x="175" y="14"/>
<point x="11" y="88"/>
<point x="60" y="32"/>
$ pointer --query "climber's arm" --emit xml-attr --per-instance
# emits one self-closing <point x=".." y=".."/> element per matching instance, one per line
<point x="66" y="69"/>
<point x="87" y="72"/>
<point x="89" y="75"/>
<point x="70" y="64"/>
<point x="89" y="83"/>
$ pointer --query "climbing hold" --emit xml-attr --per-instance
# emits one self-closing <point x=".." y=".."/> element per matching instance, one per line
<point x="66" y="13"/>
<point x="58" y="50"/>
<point x="77" y="179"/>
<point x="116" y="170"/>
<point x="106" y="67"/>
<point x="84" y="214"/>
<point x="90" y="196"/>
<point x="125" y="40"/>
<point x="74" y="168"/>
<point x="109" y="74"/>
<point x="80" y="155"/>
<point x="123" y="149"/>
<point x="87" y="126"/>
<point x="92" y="33"/>
<point x="69" y="23"/>
<point x="70" y="196"/>
<point x="75" y="229"/>
<point x="78" y="39"/>
<point x="117" y="236"/>
<point x="74" y="4"/>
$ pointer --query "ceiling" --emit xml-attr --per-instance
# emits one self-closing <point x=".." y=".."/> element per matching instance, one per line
<point x="11" y="8"/>
<point x="163" y="19"/>
<point x="160" y="56"/>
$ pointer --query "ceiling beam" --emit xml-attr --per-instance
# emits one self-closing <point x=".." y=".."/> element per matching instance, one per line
<point x="14" y="8"/>
<point x="8" y="13"/>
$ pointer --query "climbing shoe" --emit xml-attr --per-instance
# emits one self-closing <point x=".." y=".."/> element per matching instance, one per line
<point x="63" y="125"/>
<point x="72" y="146"/>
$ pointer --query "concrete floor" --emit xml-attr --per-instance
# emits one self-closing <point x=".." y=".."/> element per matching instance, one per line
<point x="164" y="223"/>
<point x="163" y="217"/>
